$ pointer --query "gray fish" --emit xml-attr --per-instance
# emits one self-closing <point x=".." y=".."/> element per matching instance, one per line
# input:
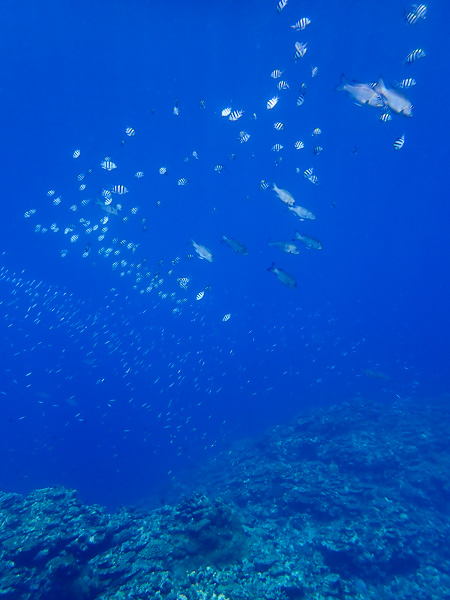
<point x="234" y="245"/>
<point x="202" y="251"/>
<point x="285" y="247"/>
<point x="283" y="195"/>
<point x="396" y="101"/>
<point x="112" y="210"/>
<point x="302" y="213"/>
<point x="309" y="242"/>
<point x="363" y="93"/>
<point x="283" y="276"/>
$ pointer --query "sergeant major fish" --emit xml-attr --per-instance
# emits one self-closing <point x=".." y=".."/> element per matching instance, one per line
<point x="396" y="101"/>
<point x="285" y="278"/>
<point x="202" y="251"/>
<point x="283" y="195"/>
<point x="234" y="245"/>
<point x="361" y="92"/>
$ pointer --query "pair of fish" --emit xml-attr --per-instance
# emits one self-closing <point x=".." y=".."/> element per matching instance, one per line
<point x="377" y="96"/>
<point x="205" y="253"/>
<point x="287" y="198"/>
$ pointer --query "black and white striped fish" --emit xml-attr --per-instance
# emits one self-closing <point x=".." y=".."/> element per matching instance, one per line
<point x="119" y="189"/>
<point x="300" y="50"/>
<point x="130" y="131"/>
<point x="385" y="117"/>
<point x="301" y="24"/>
<point x="235" y="115"/>
<point x="406" y="83"/>
<point x="414" y="55"/>
<point x="278" y="126"/>
<point x="398" y="144"/>
<point x="281" y="5"/>
<point x="108" y="165"/>
<point x="76" y="153"/>
<point x="263" y="185"/>
<point x="283" y="85"/>
<point x="299" y="145"/>
<point x="244" y="137"/>
<point x="272" y="102"/>
<point x="276" y="73"/>
<point x="183" y="181"/>
<point x="277" y="147"/>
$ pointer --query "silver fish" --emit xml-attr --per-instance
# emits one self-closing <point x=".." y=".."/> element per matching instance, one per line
<point x="285" y="247"/>
<point x="112" y="210"/>
<point x="302" y="213"/>
<point x="309" y="242"/>
<point x="234" y="245"/>
<point x="396" y="101"/>
<point x="283" y="195"/>
<point x="202" y="251"/>
<point x="362" y="93"/>
<point x="283" y="276"/>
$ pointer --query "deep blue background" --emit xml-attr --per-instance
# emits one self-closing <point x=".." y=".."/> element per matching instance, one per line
<point x="107" y="390"/>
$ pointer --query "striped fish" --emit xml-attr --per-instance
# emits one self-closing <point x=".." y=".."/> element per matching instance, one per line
<point x="235" y="115"/>
<point x="119" y="189"/>
<point x="406" y="83"/>
<point x="183" y="181"/>
<point x="108" y="165"/>
<point x="300" y="50"/>
<point x="278" y="126"/>
<point x="129" y="131"/>
<point x="301" y="24"/>
<point x="385" y="117"/>
<point x="414" y="55"/>
<point x="398" y="144"/>
<point x="283" y="85"/>
<point x="277" y="148"/>
<point x="299" y="145"/>
<point x="272" y="102"/>
<point x="281" y="5"/>
<point x="244" y="137"/>
<point x="76" y="154"/>
<point x="226" y="111"/>
<point x="263" y="185"/>
<point x="276" y="73"/>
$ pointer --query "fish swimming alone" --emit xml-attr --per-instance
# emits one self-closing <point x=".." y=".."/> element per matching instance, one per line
<point x="396" y="101"/>
<point x="362" y="93"/>
<point x="285" y="278"/>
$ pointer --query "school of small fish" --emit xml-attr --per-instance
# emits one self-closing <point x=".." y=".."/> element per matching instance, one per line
<point x="91" y="228"/>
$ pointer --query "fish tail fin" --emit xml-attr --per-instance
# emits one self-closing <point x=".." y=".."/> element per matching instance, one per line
<point x="272" y="267"/>
<point x="343" y="83"/>
<point x="274" y="185"/>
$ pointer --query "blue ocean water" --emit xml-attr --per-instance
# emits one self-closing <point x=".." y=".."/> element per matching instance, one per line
<point x="117" y="380"/>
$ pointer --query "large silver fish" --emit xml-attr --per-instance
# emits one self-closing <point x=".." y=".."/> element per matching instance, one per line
<point x="283" y="276"/>
<point x="234" y="245"/>
<point x="283" y="195"/>
<point x="285" y="247"/>
<point x="396" y="101"/>
<point x="362" y="93"/>
<point x="302" y="213"/>
<point x="202" y="251"/>
<point x="309" y="242"/>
